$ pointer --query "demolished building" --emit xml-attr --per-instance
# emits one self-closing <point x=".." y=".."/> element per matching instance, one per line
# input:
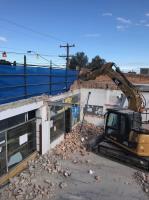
<point x="36" y="111"/>
<point x="38" y="108"/>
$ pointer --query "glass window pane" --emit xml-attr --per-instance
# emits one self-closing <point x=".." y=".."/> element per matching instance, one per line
<point x="75" y="110"/>
<point x="3" y="124"/>
<point x="58" y="126"/>
<point x="31" y="114"/>
<point x="113" y="120"/>
<point x="75" y="99"/>
<point x="12" y="121"/>
<point x="2" y="154"/>
<point x="21" y="143"/>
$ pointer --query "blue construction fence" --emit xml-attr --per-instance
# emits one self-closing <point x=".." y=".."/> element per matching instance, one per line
<point x="20" y="82"/>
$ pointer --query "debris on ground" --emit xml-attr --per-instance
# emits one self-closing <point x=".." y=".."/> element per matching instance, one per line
<point x="62" y="185"/>
<point x="25" y="185"/>
<point x="143" y="179"/>
<point x="67" y="173"/>
<point x="22" y="187"/>
<point x="77" y="141"/>
<point x="90" y="172"/>
<point x="98" y="178"/>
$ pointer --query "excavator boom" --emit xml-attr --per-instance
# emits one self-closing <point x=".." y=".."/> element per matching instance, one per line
<point x="135" y="99"/>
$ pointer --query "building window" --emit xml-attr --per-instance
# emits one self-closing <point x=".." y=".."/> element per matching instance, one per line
<point x="21" y="142"/>
<point x="57" y="121"/>
<point x="17" y="140"/>
<point x="76" y="99"/>
<point x="3" y="168"/>
<point x="31" y="114"/>
<point x="12" y="121"/>
<point x="75" y="111"/>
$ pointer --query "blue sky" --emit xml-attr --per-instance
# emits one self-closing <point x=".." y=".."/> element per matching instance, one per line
<point x="117" y="30"/>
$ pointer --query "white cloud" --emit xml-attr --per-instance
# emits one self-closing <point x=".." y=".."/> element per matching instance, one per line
<point x="92" y="35"/>
<point x="147" y="25"/>
<point x="3" y="39"/>
<point x="121" y="27"/>
<point x="107" y="14"/>
<point x="147" y="14"/>
<point x="123" y="20"/>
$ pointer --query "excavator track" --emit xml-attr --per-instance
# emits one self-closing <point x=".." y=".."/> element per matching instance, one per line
<point x="110" y="150"/>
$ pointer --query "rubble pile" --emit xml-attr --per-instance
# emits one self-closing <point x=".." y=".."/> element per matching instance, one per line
<point x="49" y="163"/>
<point x="31" y="185"/>
<point x="23" y="187"/>
<point x="104" y="82"/>
<point x="77" y="141"/>
<point x="143" y="180"/>
<point x="26" y="186"/>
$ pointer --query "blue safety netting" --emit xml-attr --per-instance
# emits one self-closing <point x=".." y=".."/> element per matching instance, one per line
<point x="39" y="80"/>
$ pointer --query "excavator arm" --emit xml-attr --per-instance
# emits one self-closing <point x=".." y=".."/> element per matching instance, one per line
<point x="136" y="101"/>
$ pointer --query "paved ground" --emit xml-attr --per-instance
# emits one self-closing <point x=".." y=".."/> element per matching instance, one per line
<point x="115" y="181"/>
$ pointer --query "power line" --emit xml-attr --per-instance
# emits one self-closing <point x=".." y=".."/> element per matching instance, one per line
<point x="32" y="54"/>
<point x="14" y="50"/>
<point x="41" y="56"/>
<point x="32" y="30"/>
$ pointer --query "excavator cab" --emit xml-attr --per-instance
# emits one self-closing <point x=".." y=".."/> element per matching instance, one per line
<point x="125" y="138"/>
<point x="120" y="123"/>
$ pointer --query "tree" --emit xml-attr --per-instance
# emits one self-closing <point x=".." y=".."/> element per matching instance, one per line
<point x="96" y="62"/>
<point x="4" y="62"/>
<point x="78" y="60"/>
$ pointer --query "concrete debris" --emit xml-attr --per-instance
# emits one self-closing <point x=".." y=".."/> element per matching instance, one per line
<point x="87" y="161"/>
<point x="91" y="172"/>
<point x="75" y="161"/>
<point x="98" y="178"/>
<point x="143" y="179"/>
<point x="77" y="141"/>
<point x="62" y="185"/>
<point x="67" y="173"/>
<point x="26" y="185"/>
<point x="49" y="182"/>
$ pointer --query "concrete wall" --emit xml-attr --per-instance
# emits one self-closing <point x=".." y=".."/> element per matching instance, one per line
<point x="41" y="105"/>
<point x="106" y="98"/>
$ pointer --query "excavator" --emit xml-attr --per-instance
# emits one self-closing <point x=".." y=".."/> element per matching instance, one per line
<point x="126" y="136"/>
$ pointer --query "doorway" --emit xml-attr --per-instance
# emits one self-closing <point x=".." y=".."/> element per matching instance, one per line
<point x="68" y="124"/>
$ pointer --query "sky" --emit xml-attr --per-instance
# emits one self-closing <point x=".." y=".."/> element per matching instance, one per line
<point x="116" y="30"/>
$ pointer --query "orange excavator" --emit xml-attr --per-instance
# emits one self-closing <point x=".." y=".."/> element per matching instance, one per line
<point x="126" y="136"/>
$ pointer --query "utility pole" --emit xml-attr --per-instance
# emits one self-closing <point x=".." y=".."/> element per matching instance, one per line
<point x="67" y="56"/>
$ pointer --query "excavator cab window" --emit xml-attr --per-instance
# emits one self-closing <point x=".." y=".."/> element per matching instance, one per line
<point x="113" y="120"/>
<point x="117" y="126"/>
<point x="112" y="125"/>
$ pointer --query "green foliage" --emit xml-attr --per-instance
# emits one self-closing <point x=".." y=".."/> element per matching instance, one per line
<point x="78" y="60"/>
<point x="96" y="62"/>
<point x="4" y="62"/>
